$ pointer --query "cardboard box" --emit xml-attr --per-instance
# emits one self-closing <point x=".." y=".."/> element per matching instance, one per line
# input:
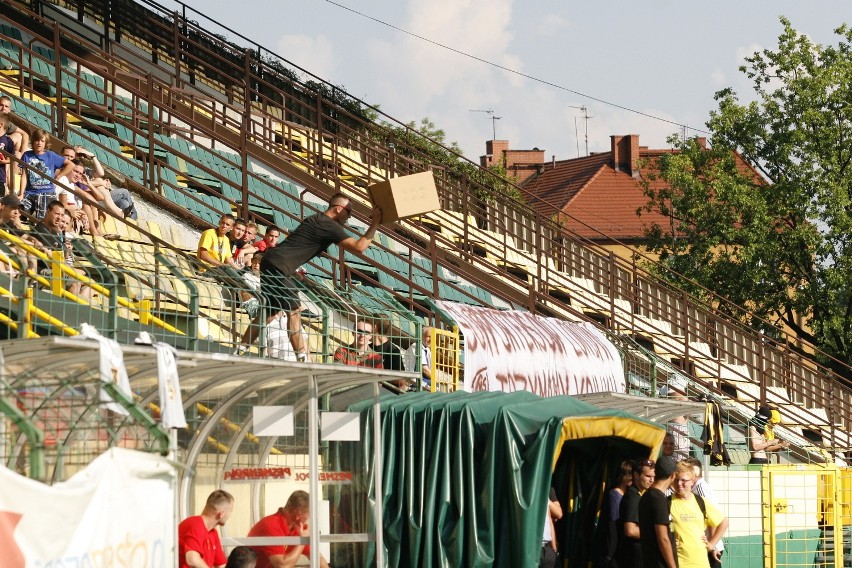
<point x="406" y="196"/>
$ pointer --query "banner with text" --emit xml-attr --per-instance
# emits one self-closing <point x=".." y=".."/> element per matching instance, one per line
<point x="119" y="511"/>
<point x="514" y="350"/>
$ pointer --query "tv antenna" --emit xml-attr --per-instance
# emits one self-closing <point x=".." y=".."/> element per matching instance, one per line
<point x="494" y="119"/>
<point x="586" y="117"/>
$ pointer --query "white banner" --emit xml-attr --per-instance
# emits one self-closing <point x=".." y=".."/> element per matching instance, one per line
<point x="119" y="511"/>
<point x="514" y="350"/>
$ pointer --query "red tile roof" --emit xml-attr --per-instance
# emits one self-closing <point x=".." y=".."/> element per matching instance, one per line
<point x="600" y="201"/>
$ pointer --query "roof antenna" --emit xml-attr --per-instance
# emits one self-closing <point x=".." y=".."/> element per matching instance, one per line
<point x="494" y="119"/>
<point x="586" y="117"/>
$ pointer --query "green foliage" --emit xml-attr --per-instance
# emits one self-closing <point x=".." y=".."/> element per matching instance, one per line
<point x="775" y="234"/>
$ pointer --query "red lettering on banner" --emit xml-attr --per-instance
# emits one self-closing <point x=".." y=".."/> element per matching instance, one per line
<point x="284" y="473"/>
<point x="257" y="473"/>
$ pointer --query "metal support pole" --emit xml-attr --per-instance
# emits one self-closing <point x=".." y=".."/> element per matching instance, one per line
<point x="313" y="456"/>
<point x="377" y="472"/>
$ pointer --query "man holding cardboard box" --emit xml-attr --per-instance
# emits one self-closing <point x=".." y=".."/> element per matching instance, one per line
<point x="311" y="238"/>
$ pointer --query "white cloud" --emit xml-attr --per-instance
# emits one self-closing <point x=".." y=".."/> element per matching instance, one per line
<point x="551" y="24"/>
<point x="316" y="54"/>
<point x="718" y="78"/>
<point x="416" y="76"/>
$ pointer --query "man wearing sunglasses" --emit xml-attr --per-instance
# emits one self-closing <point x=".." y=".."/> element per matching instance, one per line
<point x="312" y="237"/>
<point x="629" y="553"/>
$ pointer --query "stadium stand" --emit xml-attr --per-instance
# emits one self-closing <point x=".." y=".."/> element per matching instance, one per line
<point x="193" y="146"/>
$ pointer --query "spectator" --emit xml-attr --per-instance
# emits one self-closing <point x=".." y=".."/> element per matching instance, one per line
<point x="36" y="186"/>
<point x="703" y="489"/>
<point x="90" y="213"/>
<point x="692" y="516"/>
<point x="658" y="543"/>
<point x="390" y="352"/>
<point x="629" y="545"/>
<point x="198" y="540"/>
<point x="270" y="239"/>
<point x="10" y="214"/>
<point x="242" y="557"/>
<point x="425" y="347"/>
<point x="313" y="236"/>
<point x="214" y="247"/>
<point x="10" y="221"/>
<point x="290" y="520"/>
<point x="359" y="354"/>
<point x="116" y="200"/>
<point x="68" y="198"/>
<point x="247" y="249"/>
<point x="236" y="236"/>
<point x="7" y="148"/>
<point x="761" y="437"/>
<point x="19" y="136"/>
<point x="608" y="524"/>
<point x="49" y="236"/>
<point x="668" y="445"/>
<point x="549" y="546"/>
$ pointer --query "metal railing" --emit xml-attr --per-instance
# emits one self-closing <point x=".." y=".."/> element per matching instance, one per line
<point x="523" y="258"/>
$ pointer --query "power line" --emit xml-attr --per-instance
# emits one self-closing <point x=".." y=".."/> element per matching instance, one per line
<point x="509" y="70"/>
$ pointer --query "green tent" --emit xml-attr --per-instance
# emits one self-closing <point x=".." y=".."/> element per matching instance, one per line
<point x="466" y="476"/>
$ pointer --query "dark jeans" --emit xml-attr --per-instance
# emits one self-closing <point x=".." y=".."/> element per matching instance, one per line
<point x="548" y="556"/>
<point x="713" y="562"/>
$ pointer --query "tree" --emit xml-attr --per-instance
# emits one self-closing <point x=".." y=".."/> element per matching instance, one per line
<point x="774" y="235"/>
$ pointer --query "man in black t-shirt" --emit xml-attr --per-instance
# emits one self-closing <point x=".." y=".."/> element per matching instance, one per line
<point x="629" y="551"/>
<point x="658" y="543"/>
<point x="311" y="238"/>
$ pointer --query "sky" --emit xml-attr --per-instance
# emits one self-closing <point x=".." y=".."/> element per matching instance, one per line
<point x="649" y="67"/>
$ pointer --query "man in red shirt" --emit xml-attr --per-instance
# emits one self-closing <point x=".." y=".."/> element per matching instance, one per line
<point x="198" y="540"/>
<point x="359" y="354"/>
<point x="270" y="239"/>
<point x="290" y="520"/>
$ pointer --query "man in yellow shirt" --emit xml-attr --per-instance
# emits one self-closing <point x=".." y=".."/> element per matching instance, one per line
<point x="214" y="247"/>
<point x="689" y="521"/>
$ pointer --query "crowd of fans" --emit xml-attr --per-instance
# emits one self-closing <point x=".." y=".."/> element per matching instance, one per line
<point x="66" y="194"/>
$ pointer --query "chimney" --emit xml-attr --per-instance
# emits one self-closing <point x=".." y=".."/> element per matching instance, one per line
<point x="701" y="141"/>
<point x="496" y="148"/>
<point x="625" y="153"/>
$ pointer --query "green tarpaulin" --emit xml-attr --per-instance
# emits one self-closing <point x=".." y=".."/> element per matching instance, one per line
<point x="466" y="476"/>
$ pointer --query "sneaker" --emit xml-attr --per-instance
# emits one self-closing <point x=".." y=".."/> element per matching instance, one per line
<point x="301" y="357"/>
<point x="241" y="350"/>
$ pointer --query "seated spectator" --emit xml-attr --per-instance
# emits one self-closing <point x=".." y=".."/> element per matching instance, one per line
<point x="242" y="557"/>
<point x="237" y="241"/>
<point x="68" y="198"/>
<point x="10" y="221"/>
<point x="214" y="247"/>
<point x="116" y="200"/>
<point x="270" y="239"/>
<point x="425" y="351"/>
<point x="247" y="249"/>
<point x="19" y="136"/>
<point x="7" y="148"/>
<point x="359" y="354"/>
<point x="37" y="189"/>
<point x="10" y="214"/>
<point x="390" y="351"/>
<point x="293" y="519"/>
<point x="49" y="236"/>
<point x="91" y="214"/>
